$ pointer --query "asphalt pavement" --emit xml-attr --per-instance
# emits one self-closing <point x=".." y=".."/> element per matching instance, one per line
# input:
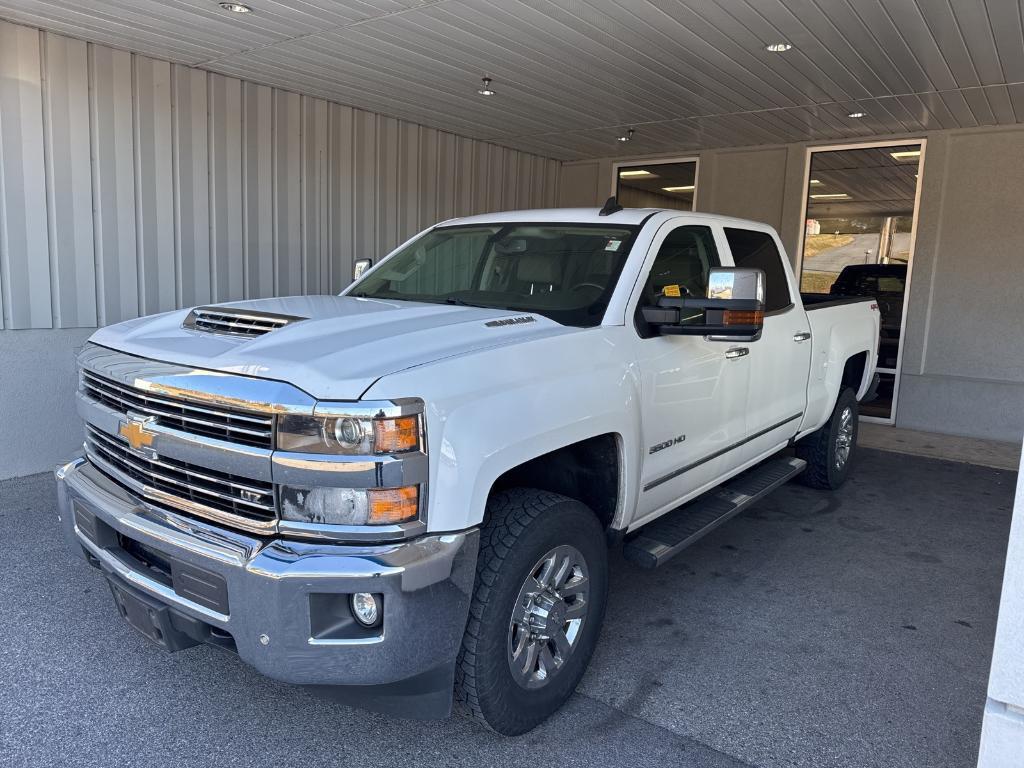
<point x="862" y="250"/>
<point x="846" y="629"/>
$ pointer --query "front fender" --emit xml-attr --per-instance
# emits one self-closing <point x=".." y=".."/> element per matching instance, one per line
<point x="490" y="411"/>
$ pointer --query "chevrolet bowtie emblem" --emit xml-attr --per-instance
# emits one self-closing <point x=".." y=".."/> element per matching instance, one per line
<point x="133" y="429"/>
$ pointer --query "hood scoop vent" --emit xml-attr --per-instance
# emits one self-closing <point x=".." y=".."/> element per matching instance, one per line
<point x="236" y="322"/>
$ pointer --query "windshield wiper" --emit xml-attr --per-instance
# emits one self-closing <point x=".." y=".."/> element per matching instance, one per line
<point x="463" y="303"/>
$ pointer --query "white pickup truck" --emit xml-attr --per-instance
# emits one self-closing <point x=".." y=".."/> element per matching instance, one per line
<point x="410" y="489"/>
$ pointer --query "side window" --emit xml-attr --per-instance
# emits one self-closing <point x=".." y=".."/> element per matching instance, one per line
<point x="756" y="250"/>
<point x="684" y="259"/>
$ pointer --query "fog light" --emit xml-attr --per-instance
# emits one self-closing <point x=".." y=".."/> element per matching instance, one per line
<point x="366" y="609"/>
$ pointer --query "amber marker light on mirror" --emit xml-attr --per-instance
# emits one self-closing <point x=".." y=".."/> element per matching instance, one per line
<point x="742" y="317"/>
<point x="389" y="506"/>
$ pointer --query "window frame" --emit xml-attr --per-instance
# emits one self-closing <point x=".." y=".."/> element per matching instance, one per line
<point x="670" y="226"/>
<point x="637" y="163"/>
<point x="779" y="251"/>
<point x="635" y="231"/>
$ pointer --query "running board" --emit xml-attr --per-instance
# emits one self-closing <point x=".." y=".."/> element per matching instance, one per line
<point x="674" y="531"/>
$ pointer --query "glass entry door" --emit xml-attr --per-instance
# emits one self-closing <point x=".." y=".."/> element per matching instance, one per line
<point x="859" y="226"/>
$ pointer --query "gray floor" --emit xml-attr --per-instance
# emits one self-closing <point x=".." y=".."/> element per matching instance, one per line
<point x="851" y="629"/>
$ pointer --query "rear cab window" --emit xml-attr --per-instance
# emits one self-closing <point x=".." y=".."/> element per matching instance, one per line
<point x="757" y="250"/>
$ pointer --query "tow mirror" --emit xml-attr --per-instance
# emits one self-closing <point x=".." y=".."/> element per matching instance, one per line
<point x="732" y="311"/>
<point x="360" y="268"/>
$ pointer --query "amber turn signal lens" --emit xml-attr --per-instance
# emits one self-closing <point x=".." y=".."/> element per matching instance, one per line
<point x="743" y="317"/>
<point x="397" y="435"/>
<point x="388" y="506"/>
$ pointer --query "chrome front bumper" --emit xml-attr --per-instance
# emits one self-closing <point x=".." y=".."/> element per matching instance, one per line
<point x="276" y="592"/>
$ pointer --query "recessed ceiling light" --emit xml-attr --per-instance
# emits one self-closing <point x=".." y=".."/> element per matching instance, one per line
<point x="627" y="136"/>
<point x="679" y="189"/>
<point x="833" y="196"/>
<point x="857" y="115"/>
<point x="486" y="89"/>
<point x="907" y="155"/>
<point x="815" y="181"/>
<point x="235" y="7"/>
<point x="635" y="173"/>
<point x="778" y="47"/>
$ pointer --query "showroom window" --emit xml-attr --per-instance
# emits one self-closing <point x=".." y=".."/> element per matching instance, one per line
<point x="858" y="241"/>
<point x="668" y="184"/>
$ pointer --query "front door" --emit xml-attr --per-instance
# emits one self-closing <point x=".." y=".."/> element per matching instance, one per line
<point x="780" y="360"/>
<point x="693" y="394"/>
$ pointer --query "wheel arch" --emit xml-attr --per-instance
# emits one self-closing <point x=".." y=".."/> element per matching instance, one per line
<point x="590" y="470"/>
<point x="856" y="374"/>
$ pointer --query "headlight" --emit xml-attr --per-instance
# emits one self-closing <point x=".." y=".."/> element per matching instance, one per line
<point x="350" y="506"/>
<point x="356" y="435"/>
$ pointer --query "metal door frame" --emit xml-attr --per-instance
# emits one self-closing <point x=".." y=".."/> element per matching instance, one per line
<point x="923" y="142"/>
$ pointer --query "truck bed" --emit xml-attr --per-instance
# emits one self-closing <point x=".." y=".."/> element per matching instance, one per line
<point x="846" y="324"/>
<point x="814" y="301"/>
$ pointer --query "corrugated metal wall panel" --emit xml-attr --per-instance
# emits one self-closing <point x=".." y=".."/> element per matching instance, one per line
<point x="408" y="186"/>
<point x="287" y="143"/>
<point x="113" y="182"/>
<point x="258" y="198"/>
<point x="24" y="241"/>
<point x="314" y="202"/>
<point x="131" y="186"/>
<point x="154" y="185"/>
<point x="227" y="234"/>
<point x="426" y="199"/>
<point x="191" y="186"/>
<point x="341" y="185"/>
<point x="388" y="193"/>
<point x="364" y="178"/>
<point x="447" y="181"/>
<point x="68" y="181"/>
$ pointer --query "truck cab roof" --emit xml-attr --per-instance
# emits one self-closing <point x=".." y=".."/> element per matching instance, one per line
<point x="627" y="216"/>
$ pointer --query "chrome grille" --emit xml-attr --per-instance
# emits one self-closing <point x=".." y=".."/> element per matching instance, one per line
<point x="248" y="428"/>
<point x="203" y="492"/>
<point x="236" y="322"/>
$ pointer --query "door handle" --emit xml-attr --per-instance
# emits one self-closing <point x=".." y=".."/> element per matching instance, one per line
<point x="734" y="353"/>
<point x="801" y="336"/>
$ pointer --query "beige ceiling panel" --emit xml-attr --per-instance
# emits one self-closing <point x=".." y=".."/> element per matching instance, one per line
<point x="572" y="75"/>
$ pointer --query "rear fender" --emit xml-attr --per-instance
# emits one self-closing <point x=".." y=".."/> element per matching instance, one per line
<point x="832" y="347"/>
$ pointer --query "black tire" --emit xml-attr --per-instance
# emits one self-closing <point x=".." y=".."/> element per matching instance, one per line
<point x="821" y="449"/>
<point x="523" y="526"/>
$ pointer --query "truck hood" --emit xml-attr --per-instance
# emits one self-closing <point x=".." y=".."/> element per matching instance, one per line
<point x="340" y="347"/>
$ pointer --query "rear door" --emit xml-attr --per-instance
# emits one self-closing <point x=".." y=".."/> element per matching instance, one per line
<point x="780" y="360"/>
<point x="693" y="394"/>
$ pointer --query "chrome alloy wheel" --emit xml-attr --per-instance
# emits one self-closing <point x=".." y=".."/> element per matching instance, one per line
<point x="844" y="437"/>
<point x="548" y="616"/>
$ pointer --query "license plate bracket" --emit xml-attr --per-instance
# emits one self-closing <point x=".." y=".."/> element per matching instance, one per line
<point x="149" y="616"/>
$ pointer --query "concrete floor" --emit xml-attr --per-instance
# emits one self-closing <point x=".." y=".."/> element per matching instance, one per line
<point x="846" y="629"/>
<point x="964" y="450"/>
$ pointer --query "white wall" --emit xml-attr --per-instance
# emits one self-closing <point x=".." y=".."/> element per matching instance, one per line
<point x="37" y="385"/>
<point x="1002" y="733"/>
<point x="131" y="186"/>
<point x="963" y="366"/>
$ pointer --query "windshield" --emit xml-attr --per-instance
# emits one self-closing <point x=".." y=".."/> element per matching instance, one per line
<point x="566" y="272"/>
